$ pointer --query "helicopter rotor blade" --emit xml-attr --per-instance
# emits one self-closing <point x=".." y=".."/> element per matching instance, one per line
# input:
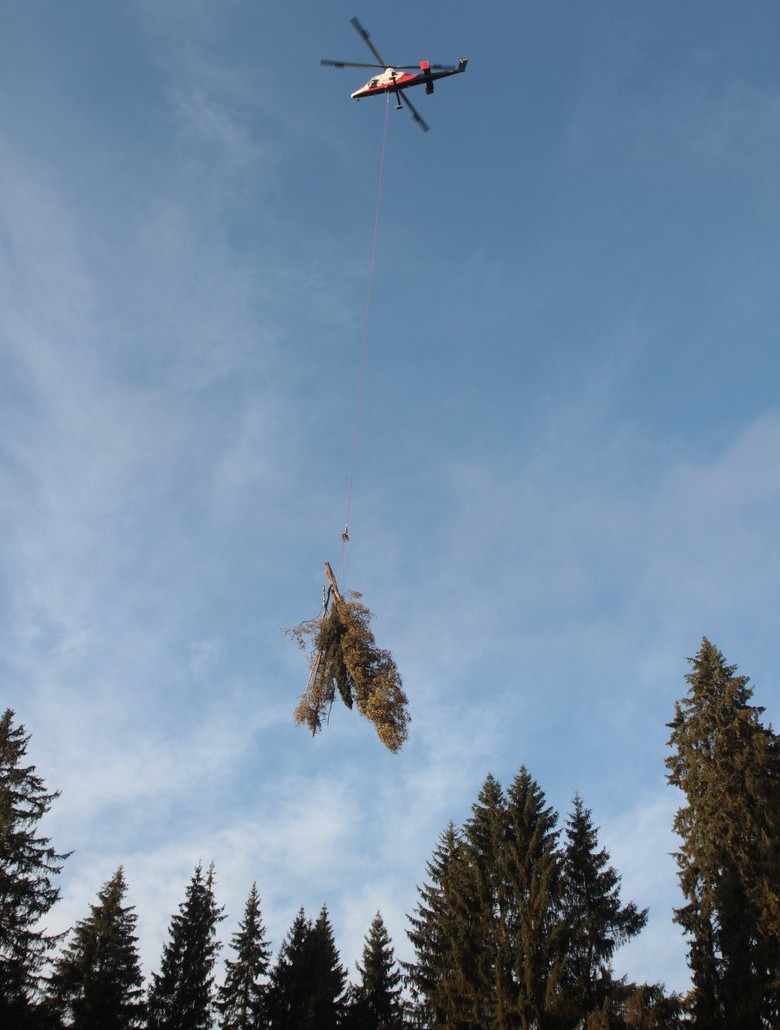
<point x="397" y="67"/>
<point x="349" y="64"/>
<point x="362" y="32"/>
<point x="413" y="110"/>
<point x="432" y="67"/>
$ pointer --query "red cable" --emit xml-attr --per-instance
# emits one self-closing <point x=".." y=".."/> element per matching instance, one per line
<point x="345" y="534"/>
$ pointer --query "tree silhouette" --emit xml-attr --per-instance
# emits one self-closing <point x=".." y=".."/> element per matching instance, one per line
<point x="727" y="764"/>
<point x="596" y="922"/>
<point x="242" y="998"/>
<point x="377" y="1002"/>
<point x="97" y="981"/>
<point x="28" y="865"/>
<point x="181" y="994"/>
<point x="307" y="981"/>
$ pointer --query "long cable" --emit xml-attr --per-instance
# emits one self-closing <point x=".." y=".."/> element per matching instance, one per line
<point x="345" y="533"/>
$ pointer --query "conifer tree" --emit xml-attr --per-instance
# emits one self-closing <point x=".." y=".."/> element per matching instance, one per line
<point x="307" y="981"/>
<point x="242" y="998"/>
<point x="637" y="1007"/>
<point x="438" y="936"/>
<point x="28" y="865"/>
<point x="727" y="764"/>
<point x="377" y="1003"/>
<point x="484" y="905"/>
<point x="330" y="977"/>
<point x="181" y="994"/>
<point x="533" y="870"/>
<point x="487" y="930"/>
<point x="503" y="939"/>
<point x="287" y="990"/>
<point x="596" y="922"/>
<point x="97" y="981"/>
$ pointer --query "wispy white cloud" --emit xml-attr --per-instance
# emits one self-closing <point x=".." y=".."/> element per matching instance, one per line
<point x="640" y="843"/>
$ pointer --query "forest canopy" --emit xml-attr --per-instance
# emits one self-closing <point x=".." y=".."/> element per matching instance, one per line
<point x="517" y="924"/>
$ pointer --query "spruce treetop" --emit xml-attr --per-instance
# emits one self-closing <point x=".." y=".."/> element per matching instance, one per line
<point x="97" y="981"/>
<point x="378" y="1004"/>
<point x="596" y="921"/>
<point x="307" y="982"/>
<point x="242" y="998"/>
<point x="181" y="996"/>
<point x="727" y="765"/>
<point x="28" y="865"/>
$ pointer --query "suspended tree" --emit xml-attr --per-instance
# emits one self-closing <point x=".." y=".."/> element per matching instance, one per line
<point x="97" y="981"/>
<point x="181" y="996"/>
<point x="344" y="658"/>
<point x="242" y="998"/>
<point x="28" y="865"/>
<point x="727" y="765"/>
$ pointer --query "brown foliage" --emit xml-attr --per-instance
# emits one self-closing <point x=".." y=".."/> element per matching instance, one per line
<point x="345" y="658"/>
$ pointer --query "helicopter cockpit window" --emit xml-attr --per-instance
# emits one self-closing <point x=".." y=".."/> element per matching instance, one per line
<point x="373" y="83"/>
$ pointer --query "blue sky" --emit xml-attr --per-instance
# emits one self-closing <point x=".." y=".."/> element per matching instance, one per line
<point x="567" y="467"/>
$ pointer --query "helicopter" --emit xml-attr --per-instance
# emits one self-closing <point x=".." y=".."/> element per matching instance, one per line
<point x="399" y="77"/>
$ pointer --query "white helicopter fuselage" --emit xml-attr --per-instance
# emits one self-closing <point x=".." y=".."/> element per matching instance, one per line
<point x="389" y="79"/>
